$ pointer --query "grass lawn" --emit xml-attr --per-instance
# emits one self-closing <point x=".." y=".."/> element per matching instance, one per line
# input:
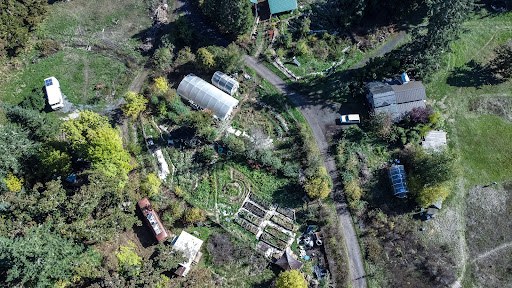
<point x="483" y="139"/>
<point x="84" y="22"/>
<point x="78" y="71"/>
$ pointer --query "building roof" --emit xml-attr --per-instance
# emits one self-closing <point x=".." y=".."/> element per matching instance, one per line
<point x="397" y="176"/>
<point x="278" y="6"/>
<point x="225" y="83"/>
<point x="409" y="92"/>
<point x="207" y="96"/>
<point x="403" y="108"/>
<point x="288" y="262"/>
<point x="188" y="244"/>
<point x="435" y="140"/>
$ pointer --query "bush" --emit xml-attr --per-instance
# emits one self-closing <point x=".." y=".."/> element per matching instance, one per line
<point x="302" y="48"/>
<point x="194" y="215"/>
<point x="136" y="104"/>
<point x="49" y="47"/>
<point x="290" y="170"/>
<point x="353" y="192"/>
<point x="162" y="59"/>
<point x="291" y="279"/>
<point x="319" y="185"/>
<point x="420" y="115"/>
<point x="151" y="184"/>
<point x="35" y="100"/>
<point x="206" y="154"/>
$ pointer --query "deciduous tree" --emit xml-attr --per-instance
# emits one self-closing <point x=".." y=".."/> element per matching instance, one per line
<point x="291" y="279"/>
<point x="319" y="184"/>
<point x="136" y="104"/>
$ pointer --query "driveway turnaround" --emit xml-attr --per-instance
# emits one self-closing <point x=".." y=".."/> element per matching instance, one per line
<point x="314" y="114"/>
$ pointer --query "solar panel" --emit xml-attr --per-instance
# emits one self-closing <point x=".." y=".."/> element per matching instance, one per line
<point x="48" y="82"/>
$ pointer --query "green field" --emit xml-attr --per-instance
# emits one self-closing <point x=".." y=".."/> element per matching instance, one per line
<point x="482" y="139"/>
<point x="78" y="72"/>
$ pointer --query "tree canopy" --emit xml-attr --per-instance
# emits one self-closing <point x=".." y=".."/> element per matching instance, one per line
<point x="319" y="184"/>
<point x="231" y="16"/>
<point x="291" y="279"/>
<point x="136" y="104"/>
<point x="92" y="138"/>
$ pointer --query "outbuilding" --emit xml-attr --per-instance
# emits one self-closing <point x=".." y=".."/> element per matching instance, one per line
<point x="225" y="83"/>
<point x="280" y="6"/>
<point x="397" y="177"/>
<point x="190" y="246"/>
<point x="207" y="96"/>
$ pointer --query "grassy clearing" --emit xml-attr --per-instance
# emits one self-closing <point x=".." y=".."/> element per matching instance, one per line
<point x="84" y="22"/>
<point x="78" y="72"/>
<point x="482" y="140"/>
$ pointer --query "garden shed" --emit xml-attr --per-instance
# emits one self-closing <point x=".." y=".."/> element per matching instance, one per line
<point x="279" y="6"/>
<point x="207" y="96"/>
<point x="288" y="262"/>
<point x="190" y="247"/>
<point x="435" y="140"/>
<point x="225" y="83"/>
<point x="397" y="177"/>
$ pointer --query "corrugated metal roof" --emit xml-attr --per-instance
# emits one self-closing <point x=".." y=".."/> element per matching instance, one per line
<point x="406" y="107"/>
<point x="409" y="92"/>
<point x="390" y="109"/>
<point x="278" y="6"/>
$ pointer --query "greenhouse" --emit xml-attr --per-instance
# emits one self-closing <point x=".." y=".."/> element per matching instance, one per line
<point x="397" y="176"/>
<point x="207" y="96"/>
<point x="225" y="83"/>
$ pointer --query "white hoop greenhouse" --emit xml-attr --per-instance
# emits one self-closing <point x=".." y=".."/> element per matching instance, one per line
<point x="225" y="83"/>
<point x="207" y="96"/>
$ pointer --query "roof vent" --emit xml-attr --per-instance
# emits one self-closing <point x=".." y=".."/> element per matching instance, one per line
<point x="404" y="78"/>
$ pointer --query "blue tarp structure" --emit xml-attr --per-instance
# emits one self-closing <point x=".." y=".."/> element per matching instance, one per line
<point x="397" y="177"/>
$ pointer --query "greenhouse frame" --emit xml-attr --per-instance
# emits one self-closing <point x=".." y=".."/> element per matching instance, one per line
<point x="207" y="96"/>
<point x="225" y="83"/>
<point x="397" y="177"/>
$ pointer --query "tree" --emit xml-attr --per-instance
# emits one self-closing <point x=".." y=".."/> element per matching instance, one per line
<point x="194" y="215"/>
<point x="17" y="19"/>
<point x="14" y="184"/>
<point x="54" y="161"/>
<point x="34" y="100"/>
<point x="291" y="279"/>
<point x="136" y="104"/>
<point x="42" y="128"/>
<point x="92" y="138"/>
<point x="304" y="26"/>
<point x="231" y="16"/>
<point x="428" y="195"/>
<point x="206" y="154"/>
<point x="319" y="184"/>
<point x="151" y="184"/>
<point x="40" y="258"/>
<point x="162" y="58"/>
<point x="205" y="59"/>
<point x="168" y="258"/>
<point x="129" y="262"/>
<point x="161" y="84"/>
<point x="500" y="65"/>
<point x="16" y="149"/>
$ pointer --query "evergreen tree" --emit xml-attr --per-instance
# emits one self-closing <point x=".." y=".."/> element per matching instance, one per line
<point x="231" y="16"/>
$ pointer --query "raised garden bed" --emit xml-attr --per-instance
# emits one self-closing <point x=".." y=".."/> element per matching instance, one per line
<point x="286" y="212"/>
<point x="262" y="202"/>
<point x="251" y="217"/>
<point x="282" y="221"/>
<point x="269" y="239"/>
<point x="276" y="233"/>
<point x="247" y="225"/>
<point x="254" y="209"/>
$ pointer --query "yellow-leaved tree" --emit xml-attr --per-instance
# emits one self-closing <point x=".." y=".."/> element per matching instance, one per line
<point x="291" y="279"/>
<point x="151" y="184"/>
<point x="319" y="184"/>
<point x="136" y="103"/>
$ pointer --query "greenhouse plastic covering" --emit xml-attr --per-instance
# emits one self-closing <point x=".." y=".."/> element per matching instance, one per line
<point x="225" y="83"/>
<point x="207" y="96"/>
<point x="397" y="175"/>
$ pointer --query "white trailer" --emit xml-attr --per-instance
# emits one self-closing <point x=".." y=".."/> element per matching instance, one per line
<point x="53" y="93"/>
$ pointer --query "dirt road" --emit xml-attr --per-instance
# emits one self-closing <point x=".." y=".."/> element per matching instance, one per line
<point x="319" y="117"/>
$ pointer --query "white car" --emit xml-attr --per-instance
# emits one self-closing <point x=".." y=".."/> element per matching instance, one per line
<point x="350" y="119"/>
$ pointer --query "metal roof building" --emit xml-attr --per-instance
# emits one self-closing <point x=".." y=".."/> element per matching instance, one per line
<point x="397" y="177"/>
<point x="190" y="247"/>
<point x="225" y="83"/>
<point x="396" y="100"/>
<point x="279" y="6"/>
<point x="207" y="96"/>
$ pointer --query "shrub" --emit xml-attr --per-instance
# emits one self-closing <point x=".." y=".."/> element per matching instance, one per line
<point x="136" y="104"/>
<point x="319" y="185"/>
<point x="205" y="59"/>
<point x="129" y="262"/>
<point x="49" y="47"/>
<point x="194" y="215"/>
<point x="206" y="154"/>
<point x="302" y="48"/>
<point x="14" y="184"/>
<point x="151" y="184"/>
<point x="35" y="100"/>
<point x="162" y="59"/>
<point x="353" y="192"/>
<point x="291" y="279"/>
<point x="420" y="115"/>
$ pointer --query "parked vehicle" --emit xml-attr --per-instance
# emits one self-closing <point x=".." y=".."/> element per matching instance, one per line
<point x="53" y="93"/>
<point x="350" y="119"/>
<point x="152" y="219"/>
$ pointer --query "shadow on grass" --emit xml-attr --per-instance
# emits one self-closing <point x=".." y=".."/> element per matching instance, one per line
<point x="473" y="74"/>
